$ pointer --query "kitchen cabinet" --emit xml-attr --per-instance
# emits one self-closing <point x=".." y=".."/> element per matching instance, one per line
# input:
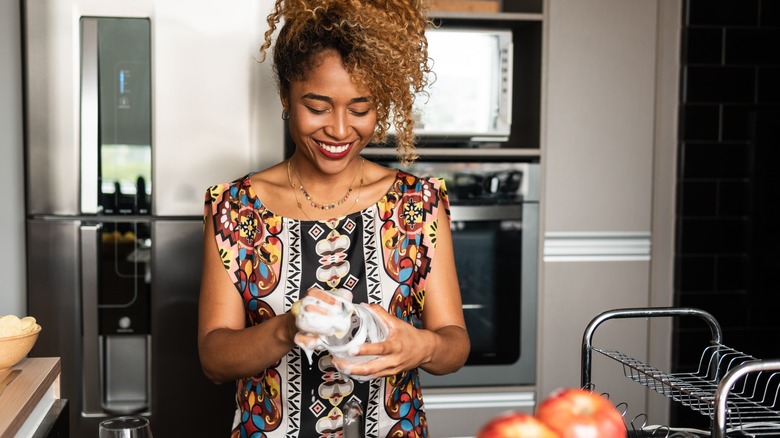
<point x="607" y="169"/>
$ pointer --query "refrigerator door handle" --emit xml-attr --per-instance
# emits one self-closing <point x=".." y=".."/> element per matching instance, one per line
<point x="89" y="116"/>
<point x="89" y="319"/>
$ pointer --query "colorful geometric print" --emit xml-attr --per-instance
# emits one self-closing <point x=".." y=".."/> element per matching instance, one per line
<point x="251" y="256"/>
<point x="397" y="248"/>
<point x="408" y="245"/>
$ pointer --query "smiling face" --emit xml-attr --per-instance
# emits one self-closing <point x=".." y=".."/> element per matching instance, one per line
<point x="331" y="121"/>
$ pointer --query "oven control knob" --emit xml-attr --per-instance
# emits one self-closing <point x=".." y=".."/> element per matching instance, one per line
<point x="124" y="322"/>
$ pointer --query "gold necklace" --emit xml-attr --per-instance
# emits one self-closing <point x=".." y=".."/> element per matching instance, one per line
<point x="329" y="205"/>
<point x="295" y="193"/>
<point x="298" y="202"/>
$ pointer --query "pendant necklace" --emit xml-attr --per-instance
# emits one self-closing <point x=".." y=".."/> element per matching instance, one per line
<point x="312" y="202"/>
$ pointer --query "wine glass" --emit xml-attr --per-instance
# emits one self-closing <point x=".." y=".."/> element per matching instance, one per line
<point x="125" y="427"/>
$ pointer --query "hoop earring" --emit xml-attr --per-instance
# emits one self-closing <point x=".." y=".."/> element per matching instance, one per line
<point x="285" y="115"/>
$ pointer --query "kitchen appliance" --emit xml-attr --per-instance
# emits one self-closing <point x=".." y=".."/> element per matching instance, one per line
<point x="470" y="98"/>
<point x="495" y="233"/>
<point x="494" y="210"/>
<point x="128" y="108"/>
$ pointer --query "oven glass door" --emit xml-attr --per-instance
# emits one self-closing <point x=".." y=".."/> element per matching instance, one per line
<point x="488" y="256"/>
<point x="496" y="250"/>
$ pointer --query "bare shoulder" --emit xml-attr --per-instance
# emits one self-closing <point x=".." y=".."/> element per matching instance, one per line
<point x="378" y="179"/>
<point x="271" y="186"/>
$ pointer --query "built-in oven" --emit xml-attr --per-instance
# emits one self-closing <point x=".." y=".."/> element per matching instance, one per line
<point x="494" y="221"/>
<point x="494" y="209"/>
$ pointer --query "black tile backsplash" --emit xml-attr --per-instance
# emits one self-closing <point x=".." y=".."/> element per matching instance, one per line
<point x="703" y="45"/>
<point x="732" y="273"/>
<point x="770" y="14"/>
<point x="715" y="160"/>
<point x="698" y="198"/>
<point x="730" y="308"/>
<point x="697" y="273"/>
<point x="752" y="47"/>
<point x="713" y="236"/>
<point x="728" y="197"/>
<point x="720" y="84"/>
<point x="722" y="12"/>
<point x="736" y="122"/>
<point x="769" y="84"/>
<point x="733" y="198"/>
<point x="699" y="122"/>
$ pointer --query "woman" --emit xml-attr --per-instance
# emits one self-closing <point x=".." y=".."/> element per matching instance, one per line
<point x="328" y="220"/>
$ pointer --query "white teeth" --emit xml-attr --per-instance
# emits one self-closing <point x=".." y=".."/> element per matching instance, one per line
<point x="334" y="149"/>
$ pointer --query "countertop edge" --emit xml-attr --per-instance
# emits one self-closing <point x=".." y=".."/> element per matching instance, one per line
<point x="50" y="369"/>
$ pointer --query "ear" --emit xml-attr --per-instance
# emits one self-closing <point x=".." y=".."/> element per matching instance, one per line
<point x="285" y="102"/>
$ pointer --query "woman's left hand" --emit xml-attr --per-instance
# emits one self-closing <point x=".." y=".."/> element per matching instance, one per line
<point x="405" y="348"/>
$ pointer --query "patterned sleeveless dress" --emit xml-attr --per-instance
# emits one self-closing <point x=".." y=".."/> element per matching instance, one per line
<point x="381" y="254"/>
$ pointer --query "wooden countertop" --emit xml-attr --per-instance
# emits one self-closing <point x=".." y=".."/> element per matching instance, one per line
<point x="34" y="390"/>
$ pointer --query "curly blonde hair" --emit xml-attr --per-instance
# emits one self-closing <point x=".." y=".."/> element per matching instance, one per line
<point x="382" y="44"/>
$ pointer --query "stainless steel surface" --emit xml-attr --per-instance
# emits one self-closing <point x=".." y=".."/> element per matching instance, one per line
<point x="192" y="44"/>
<point x="353" y="420"/>
<point x="8" y="379"/>
<point x="485" y="212"/>
<point x="55" y="275"/>
<point x="739" y="392"/>
<point x="89" y="316"/>
<point x="175" y="284"/>
<point x="754" y="406"/>
<point x="89" y="141"/>
<point x="587" y="337"/>
<point x="126" y="373"/>
<point x="52" y="106"/>
<point x="210" y="97"/>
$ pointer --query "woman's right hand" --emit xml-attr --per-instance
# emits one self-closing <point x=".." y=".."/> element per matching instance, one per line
<point x="321" y="314"/>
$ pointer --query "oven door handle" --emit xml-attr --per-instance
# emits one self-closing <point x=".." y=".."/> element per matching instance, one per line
<point x="495" y="212"/>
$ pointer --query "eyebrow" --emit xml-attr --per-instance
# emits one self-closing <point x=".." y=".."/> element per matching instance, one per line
<point x="328" y="99"/>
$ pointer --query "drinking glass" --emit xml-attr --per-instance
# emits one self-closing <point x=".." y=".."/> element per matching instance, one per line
<point x="125" y="427"/>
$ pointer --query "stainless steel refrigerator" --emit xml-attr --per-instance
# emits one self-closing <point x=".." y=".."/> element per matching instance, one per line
<point x="132" y="109"/>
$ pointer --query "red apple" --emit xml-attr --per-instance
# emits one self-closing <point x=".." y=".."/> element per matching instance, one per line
<point x="577" y="413"/>
<point x="516" y="425"/>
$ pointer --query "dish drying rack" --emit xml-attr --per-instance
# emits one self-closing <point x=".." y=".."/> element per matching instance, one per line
<point x="738" y="392"/>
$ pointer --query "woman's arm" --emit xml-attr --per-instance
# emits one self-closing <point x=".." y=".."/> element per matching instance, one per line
<point x="228" y="350"/>
<point x="443" y="345"/>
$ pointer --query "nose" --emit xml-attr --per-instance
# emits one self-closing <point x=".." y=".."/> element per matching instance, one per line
<point x="338" y="126"/>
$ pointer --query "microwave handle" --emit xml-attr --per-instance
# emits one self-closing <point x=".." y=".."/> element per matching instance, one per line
<point x="507" y="74"/>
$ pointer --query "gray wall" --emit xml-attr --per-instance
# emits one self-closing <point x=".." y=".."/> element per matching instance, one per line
<point x="12" y="276"/>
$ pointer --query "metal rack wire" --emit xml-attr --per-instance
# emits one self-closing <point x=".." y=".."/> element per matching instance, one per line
<point x="738" y="392"/>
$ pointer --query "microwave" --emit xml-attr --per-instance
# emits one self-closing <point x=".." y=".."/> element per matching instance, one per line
<point x="469" y="99"/>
